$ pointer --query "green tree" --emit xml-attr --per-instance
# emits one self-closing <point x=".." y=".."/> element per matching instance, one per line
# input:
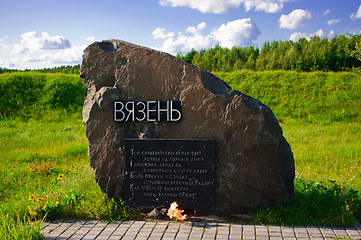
<point x="317" y="54"/>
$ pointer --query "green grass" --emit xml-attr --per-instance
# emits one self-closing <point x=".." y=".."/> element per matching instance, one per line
<point x="318" y="97"/>
<point x="313" y="204"/>
<point x="25" y="95"/>
<point x="328" y="176"/>
<point x="47" y="173"/>
<point x="321" y="119"/>
<point x="326" y="151"/>
<point x="38" y="154"/>
<point x="19" y="228"/>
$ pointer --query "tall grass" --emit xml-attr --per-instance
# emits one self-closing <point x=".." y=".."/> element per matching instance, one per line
<point x="319" y="97"/>
<point x="19" y="228"/>
<point x="29" y="94"/>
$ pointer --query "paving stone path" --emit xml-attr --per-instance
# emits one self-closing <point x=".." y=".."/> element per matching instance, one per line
<point x="145" y="230"/>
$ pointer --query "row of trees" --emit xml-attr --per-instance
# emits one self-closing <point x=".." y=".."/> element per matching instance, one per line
<point x="7" y="70"/>
<point x="341" y="53"/>
<point x="62" y="69"/>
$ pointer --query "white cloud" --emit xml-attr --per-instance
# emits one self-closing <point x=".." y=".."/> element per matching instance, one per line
<point x="9" y="62"/>
<point x="205" y="6"/>
<point x="32" y="41"/>
<point x="240" y="32"/>
<point x="71" y="55"/>
<point x="182" y="43"/>
<point x="294" y="19"/>
<point x="297" y="35"/>
<point x="333" y="21"/>
<point x="326" y="12"/>
<point x="197" y="30"/>
<point x="2" y="44"/>
<point x="90" y="39"/>
<point x="319" y="33"/>
<point x="18" y="48"/>
<point x="68" y="56"/>
<point x="331" y="34"/>
<point x="186" y="43"/>
<point x="223" y="6"/>
<point x="268" y="6"/>
<point x="356" y="15"/>
<point x="45" y="51"/>
<point x="159" y="33"/>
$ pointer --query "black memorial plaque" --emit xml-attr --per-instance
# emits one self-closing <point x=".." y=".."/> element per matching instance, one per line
<point x="158" y="172"/>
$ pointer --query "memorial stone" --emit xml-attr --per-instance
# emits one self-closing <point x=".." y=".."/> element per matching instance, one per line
<point x="139" y="93"/>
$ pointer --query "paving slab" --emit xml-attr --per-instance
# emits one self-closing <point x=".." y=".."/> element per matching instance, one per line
<point x="168" y="230"/>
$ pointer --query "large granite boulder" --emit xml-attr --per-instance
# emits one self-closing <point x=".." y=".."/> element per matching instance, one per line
<point x="254" y="162"/>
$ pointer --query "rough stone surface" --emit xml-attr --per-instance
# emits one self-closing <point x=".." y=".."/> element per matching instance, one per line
<point x="254" y="162"/>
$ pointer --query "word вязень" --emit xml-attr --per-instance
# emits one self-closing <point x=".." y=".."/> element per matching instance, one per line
<point x="151" y="111"/>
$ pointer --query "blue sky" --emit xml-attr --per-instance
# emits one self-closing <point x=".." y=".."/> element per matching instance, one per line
<point x="47" y="33"/>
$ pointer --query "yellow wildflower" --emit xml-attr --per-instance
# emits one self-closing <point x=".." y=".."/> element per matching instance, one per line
<point x="60" y="176"/>
<point x="32" y="197"/>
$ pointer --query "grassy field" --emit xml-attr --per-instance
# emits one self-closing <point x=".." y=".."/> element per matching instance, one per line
<point x="25" y="95"/>
<point x="320" y="114"/>
<point x="46" y="170"/>
<point x="47" y="175"/>
<point x="328" y="178"/>
<point x="325" y="152"/>
<point x="318" y="97"/>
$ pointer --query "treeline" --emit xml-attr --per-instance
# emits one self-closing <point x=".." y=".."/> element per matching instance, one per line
<point x="341" y="53"/>
<point x="7" y="70"/>
<point x="62" y="69"/>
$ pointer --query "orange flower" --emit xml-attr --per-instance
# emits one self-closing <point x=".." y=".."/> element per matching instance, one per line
<point x="174" y="212"/>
